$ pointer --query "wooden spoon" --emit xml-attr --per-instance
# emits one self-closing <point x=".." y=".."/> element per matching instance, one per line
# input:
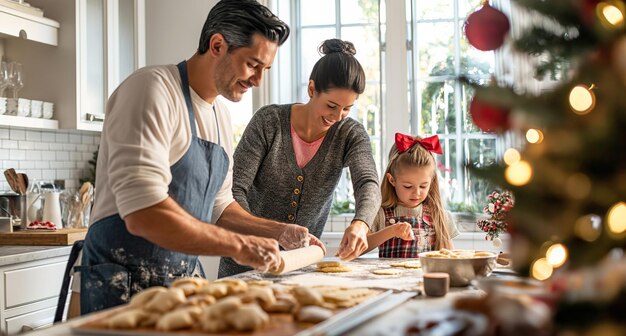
<point x="12" y="179"/>
<point x="22" y="182"/>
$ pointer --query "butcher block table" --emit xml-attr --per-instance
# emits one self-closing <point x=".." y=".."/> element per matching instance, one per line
<point x="390" y="313"/>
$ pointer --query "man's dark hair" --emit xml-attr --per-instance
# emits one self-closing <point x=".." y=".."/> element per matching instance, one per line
<point x="238" y="21"/>
<point x="338" y="68"/>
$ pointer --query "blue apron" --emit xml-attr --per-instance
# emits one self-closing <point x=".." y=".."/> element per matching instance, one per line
<point x="117" y="264"/>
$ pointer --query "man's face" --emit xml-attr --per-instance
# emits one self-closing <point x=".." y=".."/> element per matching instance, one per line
<point x="243" y="68"/>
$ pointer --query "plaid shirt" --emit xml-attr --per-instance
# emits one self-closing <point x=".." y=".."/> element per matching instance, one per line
<point x="425" y="239"/>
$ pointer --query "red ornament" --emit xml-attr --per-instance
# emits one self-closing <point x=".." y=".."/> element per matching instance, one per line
<point x="486" y="28"/>
<point x="489" y="118"/>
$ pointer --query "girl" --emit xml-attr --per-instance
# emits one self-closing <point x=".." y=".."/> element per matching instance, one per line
<point x="412" y="218"/>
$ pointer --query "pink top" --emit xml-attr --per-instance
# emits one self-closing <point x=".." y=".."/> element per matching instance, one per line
<point x="304" y="150"/>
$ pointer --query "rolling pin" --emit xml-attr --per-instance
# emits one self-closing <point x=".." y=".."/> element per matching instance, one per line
<point x="298" y="258"/>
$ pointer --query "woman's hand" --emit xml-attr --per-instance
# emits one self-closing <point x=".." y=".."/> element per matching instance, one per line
<point x="294" y="236"/>
<point x="354" y="241"/>
<point x="403" y="231"/>
<point x="314" y="241"/>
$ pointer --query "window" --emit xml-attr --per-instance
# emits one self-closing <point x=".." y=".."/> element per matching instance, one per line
<point x="355" y="21"/>
<point x="438" y="53"/>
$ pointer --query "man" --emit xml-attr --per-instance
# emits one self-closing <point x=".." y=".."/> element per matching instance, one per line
<point x="165" y="166"/>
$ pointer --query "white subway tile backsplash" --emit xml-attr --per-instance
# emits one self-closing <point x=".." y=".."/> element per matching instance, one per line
<point x="48" y="137"/>
<point x="75" y="138"/>
<point x="47" y="155"/>
<point x="17" y="154"/>
<point x="62" y="138"/>
<point x="9" y="144"/>
<point x="17" y="134"/>
<point x="63" y="156"/>
<point x="33" y="135"/>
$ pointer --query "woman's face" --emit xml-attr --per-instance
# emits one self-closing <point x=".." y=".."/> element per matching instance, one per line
<point x="331" y="106"/>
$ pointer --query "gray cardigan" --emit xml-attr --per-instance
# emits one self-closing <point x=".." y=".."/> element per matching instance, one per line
<point x="268" y="182"/>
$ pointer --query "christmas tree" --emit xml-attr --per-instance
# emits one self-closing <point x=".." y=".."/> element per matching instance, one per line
<point x="569" y="179"/>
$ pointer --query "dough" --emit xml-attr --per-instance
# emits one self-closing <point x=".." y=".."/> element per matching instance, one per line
<point x="285" y="303"/>
<point x="387" y="271"/>
<point x="308" y="296"/>
<point x="214" y="326"/>
<point x="323" y="264"/>
<point x="222" y="307"/>
<point x="260" y="283"/>
<point x="163" y="302"/>
<point x="179" y="319"/>
<point x="313" y="314"/>
<point x="217" y="290"/>
<point x="200" y="300"/>
<point x="198" y="282"/>
<point x="234" y="286"/>
<point x="412" y="264"/>
<point x="248" y="317"/>
<point x="128" y="319"/>
<point x="263" y="295"/>
<point x="143" y="297"/>
<point x="335" y="269"/>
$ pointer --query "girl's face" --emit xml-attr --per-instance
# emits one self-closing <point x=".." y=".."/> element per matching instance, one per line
<point x="331" y="106"/>
<point x="412" y="184"/>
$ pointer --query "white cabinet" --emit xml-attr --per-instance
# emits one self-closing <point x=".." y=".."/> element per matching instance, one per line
<point x="100" y="43"/>
<point x="14" y="23"/>
<point x="29" y="293"/>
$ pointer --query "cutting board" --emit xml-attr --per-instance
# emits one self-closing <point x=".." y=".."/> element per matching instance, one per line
<point x="58" y="237"/>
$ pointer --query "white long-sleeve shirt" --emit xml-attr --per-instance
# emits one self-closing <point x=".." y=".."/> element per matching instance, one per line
<point x="146" y="130"/>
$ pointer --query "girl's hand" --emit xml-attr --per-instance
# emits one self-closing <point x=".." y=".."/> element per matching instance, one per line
<point x="404" y="231"/>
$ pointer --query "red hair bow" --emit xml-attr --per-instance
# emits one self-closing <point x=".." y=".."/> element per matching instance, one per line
<point x="404" y="142"/>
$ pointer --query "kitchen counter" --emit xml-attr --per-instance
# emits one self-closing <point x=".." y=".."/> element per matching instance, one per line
<point x="19" y="254"/>
<point x="391" y="322"/>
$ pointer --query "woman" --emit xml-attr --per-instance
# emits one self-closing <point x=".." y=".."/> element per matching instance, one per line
<point x="290" y="157"/>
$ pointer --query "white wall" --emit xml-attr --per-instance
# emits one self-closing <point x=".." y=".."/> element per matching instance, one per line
<point x="173" y="29"/>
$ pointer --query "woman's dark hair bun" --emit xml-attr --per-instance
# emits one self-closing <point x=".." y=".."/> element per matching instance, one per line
<point x="337" y="45"/>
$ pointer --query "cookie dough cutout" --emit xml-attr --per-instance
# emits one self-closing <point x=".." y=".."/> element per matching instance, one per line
<point x="179" y="319"/>
<point x="129" y="319"/>
<point x="165" y="301"/>
<point x="335" y="269"/>
<point x="313" y="314"/>
<point x="323" y="264"/>
<point x="387" y="271"/>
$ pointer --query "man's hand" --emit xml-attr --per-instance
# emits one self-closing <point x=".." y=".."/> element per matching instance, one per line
<point x="262" y="254"/>
<point x="404" y="231"/>
<point x="294" y="236"/>
<point x="354" y="241"/>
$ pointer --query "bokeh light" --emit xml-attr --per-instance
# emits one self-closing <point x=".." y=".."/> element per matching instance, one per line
<point x="519" y="173"/>
<point x="616" y="218"/>
<point x="588" y="227"/>
<point x="511" y="156"/>
<point x="541" y="269"/>
<point x="581" y="99"/>
<point x="556" y="255"/>
<point x="534" y="136"/>
<point x="611" y="13"/>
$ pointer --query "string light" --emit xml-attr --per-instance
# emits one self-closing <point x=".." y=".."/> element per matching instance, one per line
<point x="541" y="269"/>
<point x="556" y="255"/>
<point x="519" y="173"/>
<point x="611" y="13"/>
<point x="534" y="136"/>
<point x="581" y="99"/>
<point x="616" y="218"/>
<point x="511" y="156"/>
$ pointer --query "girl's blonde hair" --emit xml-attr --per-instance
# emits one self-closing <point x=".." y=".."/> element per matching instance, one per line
<point x="416" y="157"/>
